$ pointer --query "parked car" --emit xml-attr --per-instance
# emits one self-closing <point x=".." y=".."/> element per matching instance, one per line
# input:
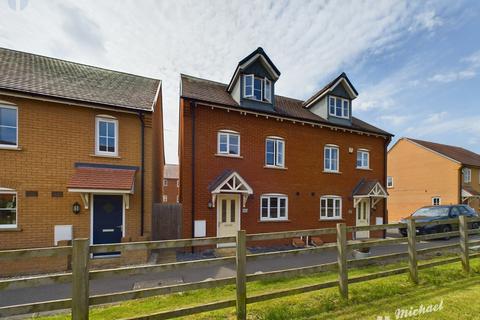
<point x="438" y="213"/>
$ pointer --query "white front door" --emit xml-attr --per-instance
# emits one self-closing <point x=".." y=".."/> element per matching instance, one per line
<point x="228" y="216"/>
<point x="363" y="218"/>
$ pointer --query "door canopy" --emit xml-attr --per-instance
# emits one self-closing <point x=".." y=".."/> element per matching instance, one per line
<point x="230" y="182"/>
<point x="469" y="193"/>
<point x="369" y="189"/>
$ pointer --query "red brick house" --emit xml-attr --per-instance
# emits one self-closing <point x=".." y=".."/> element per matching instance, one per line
<point x="258" y="161"/>
<point x="171" y="183"/>
<point x="81" y="154"/>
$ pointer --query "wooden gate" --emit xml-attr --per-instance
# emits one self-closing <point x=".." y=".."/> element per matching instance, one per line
<point x="167" y="221"/>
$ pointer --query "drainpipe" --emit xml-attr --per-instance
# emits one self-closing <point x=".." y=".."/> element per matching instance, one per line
<point x="460" y="187"/>
<point x="385" y="215"/>
<point x="193" y="106"/>
<point x="142" y="174"/>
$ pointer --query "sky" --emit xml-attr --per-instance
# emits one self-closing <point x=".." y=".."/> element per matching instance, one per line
<point x="415" y="64"/>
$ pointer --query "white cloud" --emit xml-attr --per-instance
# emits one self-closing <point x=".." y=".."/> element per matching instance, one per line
<point x="441" y="125"/>
<point x="395" y="120"/>
<point x="308" y="41"/>
<point x="467" y="72"/>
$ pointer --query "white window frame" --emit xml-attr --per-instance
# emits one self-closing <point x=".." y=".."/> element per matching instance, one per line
<point x="165" y="182"/>
<point x="334" y="114"/>
<point x="165" y="198"/>
<point x="261" y="89"/>
<point x="439" y="201"/>
<point x="467" y="175"/>
<point x="362" y="152"/>
<point x="268" y="96"/>
<point x="228" y="133"/>
<point x="278" y="196"/>
<point x="108" y="119"/>
<point x="277" y="141"/>
<point x="15" y="194"/>
<point x="331" y="146"/>
<point x="245" y="94"/>
<point x="334" y="198"/>
<point x="13" y="146"/>
<point x="389" y="182"/>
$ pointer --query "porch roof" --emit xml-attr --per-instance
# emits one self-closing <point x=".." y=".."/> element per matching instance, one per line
<point x="469" y="192"/>
<point x="91" y="178"/>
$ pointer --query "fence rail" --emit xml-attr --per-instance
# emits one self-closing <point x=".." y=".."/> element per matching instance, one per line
<point x="81" y="275"/>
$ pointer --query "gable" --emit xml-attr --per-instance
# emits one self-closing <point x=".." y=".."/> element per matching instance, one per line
<point x="340" y="91"/>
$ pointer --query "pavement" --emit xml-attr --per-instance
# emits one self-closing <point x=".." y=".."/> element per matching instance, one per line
<point x="186" y="275"/>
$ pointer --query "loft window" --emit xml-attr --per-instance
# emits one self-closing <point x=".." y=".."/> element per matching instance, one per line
<point x="467" y="175"/>
<point x="8" y="126"/>
<point x="274" y="207"/>
<point x="363" y="159"/>
<point x="275" y="152"/>
<point x="106" y="136"/>
<point x="331" y="158"/>
<point x="228" y="143"/>
<point x="8" y="209"/>
<point x="257" y="88"/>
<point x="338" y="107"/>
<point x="330" y="207"/>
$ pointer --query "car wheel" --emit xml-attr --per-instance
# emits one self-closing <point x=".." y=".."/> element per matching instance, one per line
<point x="475" y="225"/>
<point x="444" y="229"/>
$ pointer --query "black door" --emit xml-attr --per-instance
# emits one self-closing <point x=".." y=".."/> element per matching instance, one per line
<point x="107" y="219"/>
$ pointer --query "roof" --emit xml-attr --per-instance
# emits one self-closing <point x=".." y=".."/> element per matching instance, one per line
<point x="220" y="179"/>
<point x="171" y="171"/>
<point x="102" y="178"/>
<point x="330" y="86"/>
<point x="216" y="93"/>
<point x="39" y="75"/>
<point x="464" y="156"/>
<point x="365" y="188"/>
<point x="470" y="192"/>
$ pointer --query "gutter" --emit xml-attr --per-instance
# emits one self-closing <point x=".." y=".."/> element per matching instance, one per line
<point x="385" y="210"/>
<point x="142" y="174"/>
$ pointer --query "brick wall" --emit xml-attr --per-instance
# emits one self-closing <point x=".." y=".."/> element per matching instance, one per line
<point x="171" y="190"/>
<point x="304" y="181"/>
<point x="52" y="137"/>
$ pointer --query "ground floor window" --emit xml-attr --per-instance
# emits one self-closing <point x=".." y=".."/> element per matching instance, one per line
<point x="274" y="207"/>
<point x="330" y="207"/>
<point x="8" y="209"/>
<point x="436" y="201"/>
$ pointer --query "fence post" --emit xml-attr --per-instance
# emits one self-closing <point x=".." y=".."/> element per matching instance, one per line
<point x="342" y="259"/>
<point x="80" y="279"/>
<point x="241" y="275"/>
<point x="412" y="250"/>
<point x="464" y="247"/>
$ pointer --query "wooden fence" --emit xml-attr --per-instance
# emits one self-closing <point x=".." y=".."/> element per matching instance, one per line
<point x="81" y="275"/>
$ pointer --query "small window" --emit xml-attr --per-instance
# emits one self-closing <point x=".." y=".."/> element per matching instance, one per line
<point x="330" y="207"/>
<point x="275" y="152"/>
<point x="258" y="88"/>
<point x="165" y="182"/>
<point x="178" y="183"/>
<point x="467" y="175"/>
<point x="268" y="90"/>
<point x="389" y="182"/>
<point x="363" y="159"/>
<point x="338" y="107"/>
<point x="228" y="143"/>
<point x="106" y="136"/>
<point x="331" y="158"/>
<point x="8" y="209"/>
<point x="436" y="201"/>
<point x="165" y="198"/>
<point x="8" y="126"/>
<point x="248" y="91"/>
<point x="274" y="207"/>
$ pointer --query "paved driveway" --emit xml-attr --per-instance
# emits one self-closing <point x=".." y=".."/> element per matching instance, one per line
<point x="123" y="283"/>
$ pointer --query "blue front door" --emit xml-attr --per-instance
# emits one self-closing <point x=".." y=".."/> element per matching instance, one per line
<point x="107" y="219"/>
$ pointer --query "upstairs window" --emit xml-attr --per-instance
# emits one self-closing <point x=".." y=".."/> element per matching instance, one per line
<point x="274" y="207"/>
<point x="8" y="209"/>
<point x="338" y="107"/>
<point x="228" y="143"/>
<point x="275" y="152"/>
<point x="467" y="175"/>
<point x="257" y="88"/>
<point x="389" y="182"/>
<point x="331" y="158"/>
<point x="106" y="136"/>
<point x="8" y="126"/>
<point x="363" y="159"/>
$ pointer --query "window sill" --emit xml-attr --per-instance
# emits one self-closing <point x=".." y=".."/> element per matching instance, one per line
<point x="367" y="169"/>
<point x="16" y="229"/>
<point x="276" y="221"/>
<point x="275" y="167"/>
<point x="332" y="220"/>
<point x="334" y="172"/>
<point x="12" y="148"/>
<point x="105" y="156"/>
<point x="228" y="156"/>
<point x="252" y="99"/>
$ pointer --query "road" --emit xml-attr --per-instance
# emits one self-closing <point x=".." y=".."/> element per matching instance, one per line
<point x="124" y="283"/>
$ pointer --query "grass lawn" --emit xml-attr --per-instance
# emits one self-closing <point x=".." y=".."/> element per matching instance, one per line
<point x="368" y="300"/>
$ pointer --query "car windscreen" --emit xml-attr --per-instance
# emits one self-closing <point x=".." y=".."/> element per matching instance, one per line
<point x="432" y="212"/>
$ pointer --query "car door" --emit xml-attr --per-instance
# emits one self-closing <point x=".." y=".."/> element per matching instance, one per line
<point x="454" y="214"/>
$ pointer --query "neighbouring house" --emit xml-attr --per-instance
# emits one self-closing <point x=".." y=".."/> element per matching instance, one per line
<point x="254" y="160"/>
<point x="171" y="183"/>
<point x="423" y="173"/>
<point x="81" y="155"/>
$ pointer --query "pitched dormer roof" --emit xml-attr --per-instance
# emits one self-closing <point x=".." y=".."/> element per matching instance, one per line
<point x="342" y="78"/>
<point x="259" y="53"/>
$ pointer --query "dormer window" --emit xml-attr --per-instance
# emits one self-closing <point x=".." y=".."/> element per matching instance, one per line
<point x="338" y="107"/>
<point x="257" y="88"/>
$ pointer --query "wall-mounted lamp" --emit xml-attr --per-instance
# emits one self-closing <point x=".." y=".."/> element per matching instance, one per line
<point x="210" y="204"/>
<point x="76" y="208"/>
